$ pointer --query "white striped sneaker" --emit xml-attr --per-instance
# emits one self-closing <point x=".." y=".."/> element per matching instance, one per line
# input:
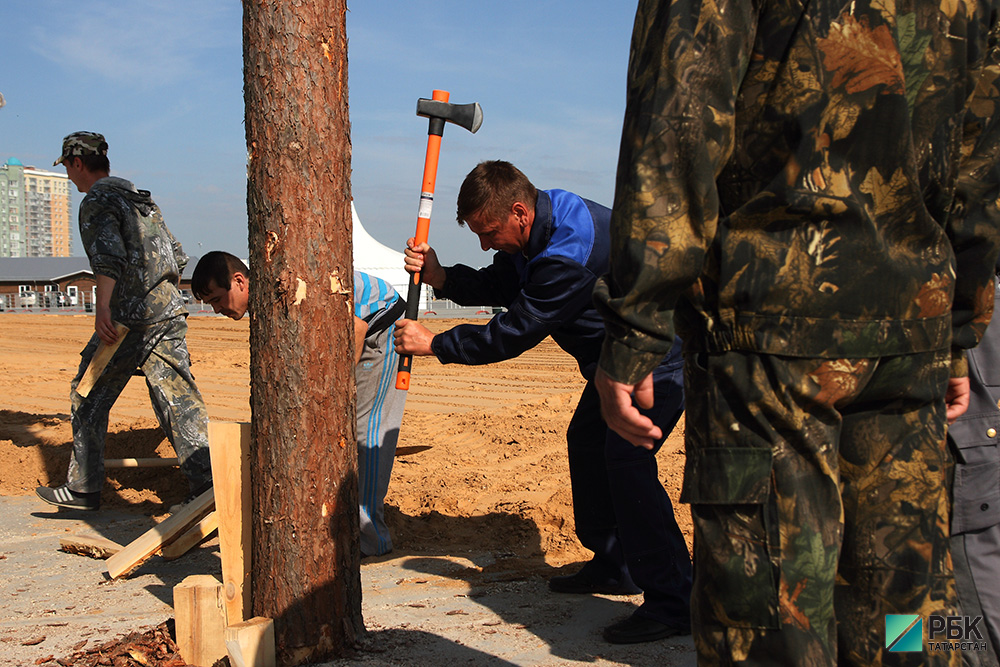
<point x="63" y="496"/>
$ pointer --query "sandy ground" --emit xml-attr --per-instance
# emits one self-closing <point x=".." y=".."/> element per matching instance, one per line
<point x="480" y="486"/>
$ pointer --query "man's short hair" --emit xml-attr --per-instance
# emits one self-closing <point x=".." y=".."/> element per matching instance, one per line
<point x="219" y="267"/>
<point x="94" y="163"/>
<point x="491" y="189"/>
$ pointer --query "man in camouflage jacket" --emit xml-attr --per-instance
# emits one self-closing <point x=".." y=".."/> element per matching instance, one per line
<point x="137" y="263"/>
<point x="808" y="192"/>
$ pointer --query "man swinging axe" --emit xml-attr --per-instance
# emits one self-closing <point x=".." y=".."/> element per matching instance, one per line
<point x="439" y="111"/>
<point x="550" y="247"/>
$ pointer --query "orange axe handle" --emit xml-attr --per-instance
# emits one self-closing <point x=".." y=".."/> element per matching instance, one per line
<point x="434" y="133"/>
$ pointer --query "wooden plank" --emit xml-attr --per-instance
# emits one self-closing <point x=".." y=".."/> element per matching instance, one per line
<point x="160" y="535"/>
<point x="200" y="620"/>
<point x="229" y="444"/>
<point x="89" y="545"/>
<point x="100" y="361"/>
<point x="192" y="538"/>
<point x="251" y="643"/>
<point x="154" y="462"/>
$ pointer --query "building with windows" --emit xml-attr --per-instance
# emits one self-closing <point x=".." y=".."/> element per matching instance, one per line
<point x="35" y="212"/>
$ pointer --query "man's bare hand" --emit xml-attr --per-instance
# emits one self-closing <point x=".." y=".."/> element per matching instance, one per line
<point x="956" y="398"/>
<point x="421" y="258"/>
<point x="105" y="327"/>
<point x="621" y="415"/>
<point x="412" y="338"/>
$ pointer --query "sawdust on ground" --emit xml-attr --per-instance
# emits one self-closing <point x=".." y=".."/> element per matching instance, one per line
<point x="481" y="462"/>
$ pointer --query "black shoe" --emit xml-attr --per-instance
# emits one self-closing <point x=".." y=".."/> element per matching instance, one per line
<point x="638" y="629"/>
<point x="586" y="583"/>
<point x="63" y="496"/>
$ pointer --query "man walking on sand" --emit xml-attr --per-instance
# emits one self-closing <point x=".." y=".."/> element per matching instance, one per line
<point x="137" y="264"/>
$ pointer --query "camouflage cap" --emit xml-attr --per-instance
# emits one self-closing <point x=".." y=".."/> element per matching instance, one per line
<point x="82" y="143"/>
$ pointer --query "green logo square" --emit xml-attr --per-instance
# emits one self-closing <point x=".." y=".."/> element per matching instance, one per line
<point x="904" y="632"/>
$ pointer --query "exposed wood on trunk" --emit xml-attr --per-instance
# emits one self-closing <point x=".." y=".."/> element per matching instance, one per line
<point x="306" y="562"/>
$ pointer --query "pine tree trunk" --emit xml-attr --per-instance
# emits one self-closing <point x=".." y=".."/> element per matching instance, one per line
<point x="305" y="556"/>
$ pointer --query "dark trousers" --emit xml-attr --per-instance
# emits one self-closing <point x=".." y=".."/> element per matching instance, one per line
<point x="622" y="512"/>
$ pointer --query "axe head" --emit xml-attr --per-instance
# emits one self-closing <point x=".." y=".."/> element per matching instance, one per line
<point x="469" y="116"/>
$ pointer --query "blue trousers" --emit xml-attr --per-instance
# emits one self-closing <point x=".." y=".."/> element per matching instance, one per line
<point x="622" y="512"/>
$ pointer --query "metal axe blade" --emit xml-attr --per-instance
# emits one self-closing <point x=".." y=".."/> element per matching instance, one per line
<point x="469" y="116"/>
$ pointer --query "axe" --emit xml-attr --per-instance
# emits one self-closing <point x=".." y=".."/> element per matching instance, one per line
<point x="439" y="111"/>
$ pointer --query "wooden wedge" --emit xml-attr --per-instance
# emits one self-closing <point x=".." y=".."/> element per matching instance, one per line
<point x="160" y="535"/>
<point x="200" y="620"/>
<point x="194" y="536"/>
<point x="100" y="361"/>
<point x="251" y="643"/>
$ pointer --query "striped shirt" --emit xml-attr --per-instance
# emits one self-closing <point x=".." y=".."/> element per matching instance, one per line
<point x="376" y="302"/>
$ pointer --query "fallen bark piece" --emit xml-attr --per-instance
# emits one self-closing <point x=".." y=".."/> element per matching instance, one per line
<point x="89" y="545"/>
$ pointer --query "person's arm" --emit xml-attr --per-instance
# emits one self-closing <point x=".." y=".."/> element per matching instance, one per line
<point x="103" y="324"/>
<point x="411" y="337"/>
<point x="423" y="259"/>
<point x="102" y="241"/>
<point x="360" y="329"/>
<point x="675" y="138"/>
<point x="555" y="292"/>
<point x="974" y="222"/>
<point x="464" y="285"/>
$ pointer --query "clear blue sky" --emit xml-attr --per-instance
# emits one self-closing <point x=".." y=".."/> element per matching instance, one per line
<point x="163" y="81"/>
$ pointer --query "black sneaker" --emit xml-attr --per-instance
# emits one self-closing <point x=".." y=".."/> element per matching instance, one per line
<point x="638" y="629"/>
<point x="63" y="496"/>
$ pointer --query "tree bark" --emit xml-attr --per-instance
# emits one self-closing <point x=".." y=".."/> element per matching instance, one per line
<point x="305" y="557"/>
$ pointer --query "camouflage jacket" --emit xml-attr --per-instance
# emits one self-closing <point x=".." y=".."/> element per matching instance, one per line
<point x="809" y="179"/>
<point x="125" y="238"/>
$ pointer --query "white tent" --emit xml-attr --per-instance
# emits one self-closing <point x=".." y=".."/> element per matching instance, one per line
<point x="375" y="259"/>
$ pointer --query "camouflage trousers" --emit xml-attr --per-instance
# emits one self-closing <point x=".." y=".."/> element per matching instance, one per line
<point x="161" y="352"/>
<point x="818" y="490"/>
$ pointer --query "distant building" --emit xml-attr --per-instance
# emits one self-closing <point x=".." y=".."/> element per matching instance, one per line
<point x="35" y="212"/>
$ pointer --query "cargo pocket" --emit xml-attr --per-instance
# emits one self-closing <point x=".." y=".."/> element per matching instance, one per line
<point x="976" y="494"/>
<point x="729" y="489"/>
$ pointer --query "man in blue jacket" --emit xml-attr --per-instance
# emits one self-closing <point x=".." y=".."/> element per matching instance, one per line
<point x="551" y="247"/>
